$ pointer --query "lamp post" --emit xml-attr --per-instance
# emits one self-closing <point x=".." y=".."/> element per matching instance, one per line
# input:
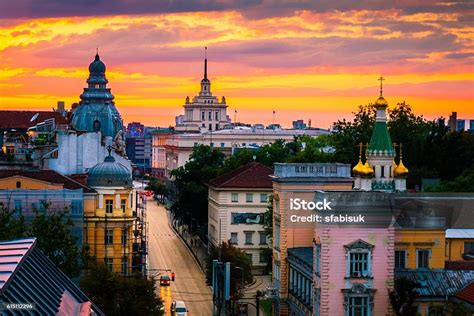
<point x="241" y="281"/>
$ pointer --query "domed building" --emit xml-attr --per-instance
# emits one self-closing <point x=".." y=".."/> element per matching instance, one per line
<point x="380" y="172"/>
<point x="109" y="224"/>
<point x="96" y="110"/>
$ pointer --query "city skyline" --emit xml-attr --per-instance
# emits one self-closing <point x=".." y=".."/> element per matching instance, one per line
<point x="306" y="61"/>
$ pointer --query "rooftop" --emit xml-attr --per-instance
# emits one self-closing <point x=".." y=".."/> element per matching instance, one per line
<point x="28" y="276"/>
<point x="22" y="119"/>
<point x="467" y="293"/>
<point x="438" y="282"/>
<point x="305" y="254"/>
<point x="459" y="233"/>
<point x="252" y="175"/>
<point x="49" y="176"/>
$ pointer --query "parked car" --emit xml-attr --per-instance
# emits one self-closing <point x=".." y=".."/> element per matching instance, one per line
<point x="178" y="308"/>
<point x="165" y="280"/>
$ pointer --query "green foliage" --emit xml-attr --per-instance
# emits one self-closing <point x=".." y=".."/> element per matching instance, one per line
<point x="403" y="297"/>
<point x="189" y="181"/>
<point x="462" y="183"/>
<point x="268" y="218"/>
<point x="118" y="295"/>
<point x="53" y="233"/>
<point x="11" y="226"/>
<point x="237" y="258"/>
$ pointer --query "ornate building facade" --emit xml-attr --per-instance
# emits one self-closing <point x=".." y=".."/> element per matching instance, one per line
<point x="204" y="112"/>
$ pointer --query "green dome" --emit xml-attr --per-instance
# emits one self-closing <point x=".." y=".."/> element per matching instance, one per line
<point x="109" y="174"/>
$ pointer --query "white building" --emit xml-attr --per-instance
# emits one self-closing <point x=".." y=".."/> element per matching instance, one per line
<point x="237" y="202"/>
<point x="204" y="112"/>
<point x="180" y="146"/>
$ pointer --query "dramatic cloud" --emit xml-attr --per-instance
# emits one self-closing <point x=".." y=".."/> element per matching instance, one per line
<point x="309" y="56"/>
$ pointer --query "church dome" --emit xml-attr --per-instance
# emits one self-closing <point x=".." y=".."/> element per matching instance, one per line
<point x="400" y="171"/>
<point x="358" y="169"/>
<point x="381" y="102"/>
<point x="97" y="66"/>
<point x="109" y="174"/>
<point x="367" y="171"/>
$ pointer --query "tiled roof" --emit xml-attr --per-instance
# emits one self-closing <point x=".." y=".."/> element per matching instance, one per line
<point x="252" y="175"/>
<point x="467" y="293"/>
<point x="28" y="276"/>
<point x="22" y="119"/>
<point x="50" y="176"/>
<point x="437" y="282"/>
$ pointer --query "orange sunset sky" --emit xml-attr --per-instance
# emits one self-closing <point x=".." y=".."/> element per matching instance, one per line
<point x="313" y="60"/>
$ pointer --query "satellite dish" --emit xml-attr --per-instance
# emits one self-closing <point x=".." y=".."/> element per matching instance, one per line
<point x="34" y="117"/>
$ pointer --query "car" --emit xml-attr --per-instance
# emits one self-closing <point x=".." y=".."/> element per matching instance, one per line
<point x="165" y="280"/>
<point x="178" y="308"/>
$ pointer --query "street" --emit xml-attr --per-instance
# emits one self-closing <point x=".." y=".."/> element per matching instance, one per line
<point x="167" y="251"/>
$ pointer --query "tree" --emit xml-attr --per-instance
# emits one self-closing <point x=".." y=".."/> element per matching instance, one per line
<point x="118" y="295"/>
<point x="227" y="252"/>
<point x="11" y="226"/>
<point x="53" y="232"/>
<point x="157" y="186"/>
<point x="268" y="218"/>
<point x="462" y="183"/>
<point x="189" y="181"/>
<point x="403" y="297"/>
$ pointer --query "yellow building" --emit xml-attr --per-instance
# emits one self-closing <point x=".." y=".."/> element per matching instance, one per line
<point x="459" y="244"/>
<point x="417" y="248"/>
<point x="109" y="221"/>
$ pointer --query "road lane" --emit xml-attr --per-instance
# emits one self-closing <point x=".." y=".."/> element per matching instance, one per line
<point x="167" y="251"/>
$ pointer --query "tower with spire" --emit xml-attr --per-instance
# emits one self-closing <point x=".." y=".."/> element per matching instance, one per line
<point x="204" y="112"/>
<point x="380" y="171"/>
<point x="96" y="110"/>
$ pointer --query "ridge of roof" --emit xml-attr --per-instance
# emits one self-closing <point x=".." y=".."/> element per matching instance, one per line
<point x="253" y="174"/>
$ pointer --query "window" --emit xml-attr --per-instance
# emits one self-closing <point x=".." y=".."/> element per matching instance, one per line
<point x="124" y="266"/>
<point x="210" y="116"/>
<point x="422" y="258"/>
<point x="109" y="263"/>
<point x="124" y="237"/>
<point x="217" y="127"/>
<point x="123" y="204"/>
<point x="263" y="238"/>
<point x="76" y="207"/>
<point x="436" y="310"/>
<point x="233" y="238"/>
<point x="249" y="197"/>
<point x="468" y="246"/>
<point x="249" y="238"/>
<point x="109" y="206"/>
<point x="203" y="117"/>
<point x="222" y="145"/>
<point x="210" y="126"/>
<point x="109" y="237"/>
<point x="18" y="207"/>
<point x="358" y="264"/>
<point x="263" y="198"/>
<point x="212" y="145"/>
<point x="358" y="306"/>
<point x="262" y="257"/>
<point x="18" y="184"/>
<point x="250" y="257"/>
<point x="217" y="116"/>
<point x="400" y="259"/>
<point x="382" y="171"/>
<point x="234" y="197"/>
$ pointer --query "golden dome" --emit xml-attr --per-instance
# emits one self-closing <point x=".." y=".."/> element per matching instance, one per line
<point x="358" y="169"/>
<point x="381" y="102"/>
<point x="400" y="171"/>
<point x="367" y="170"/>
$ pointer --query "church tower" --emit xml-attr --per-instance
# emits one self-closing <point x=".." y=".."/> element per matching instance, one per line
<point x="380" y="172"/>
<point x="96" y="110"/>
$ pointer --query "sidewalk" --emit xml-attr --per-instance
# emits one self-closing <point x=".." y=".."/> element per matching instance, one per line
<point x="261" y="283"/>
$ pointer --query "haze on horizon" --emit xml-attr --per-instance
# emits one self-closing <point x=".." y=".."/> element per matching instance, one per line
<point x="303" y="59"/>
